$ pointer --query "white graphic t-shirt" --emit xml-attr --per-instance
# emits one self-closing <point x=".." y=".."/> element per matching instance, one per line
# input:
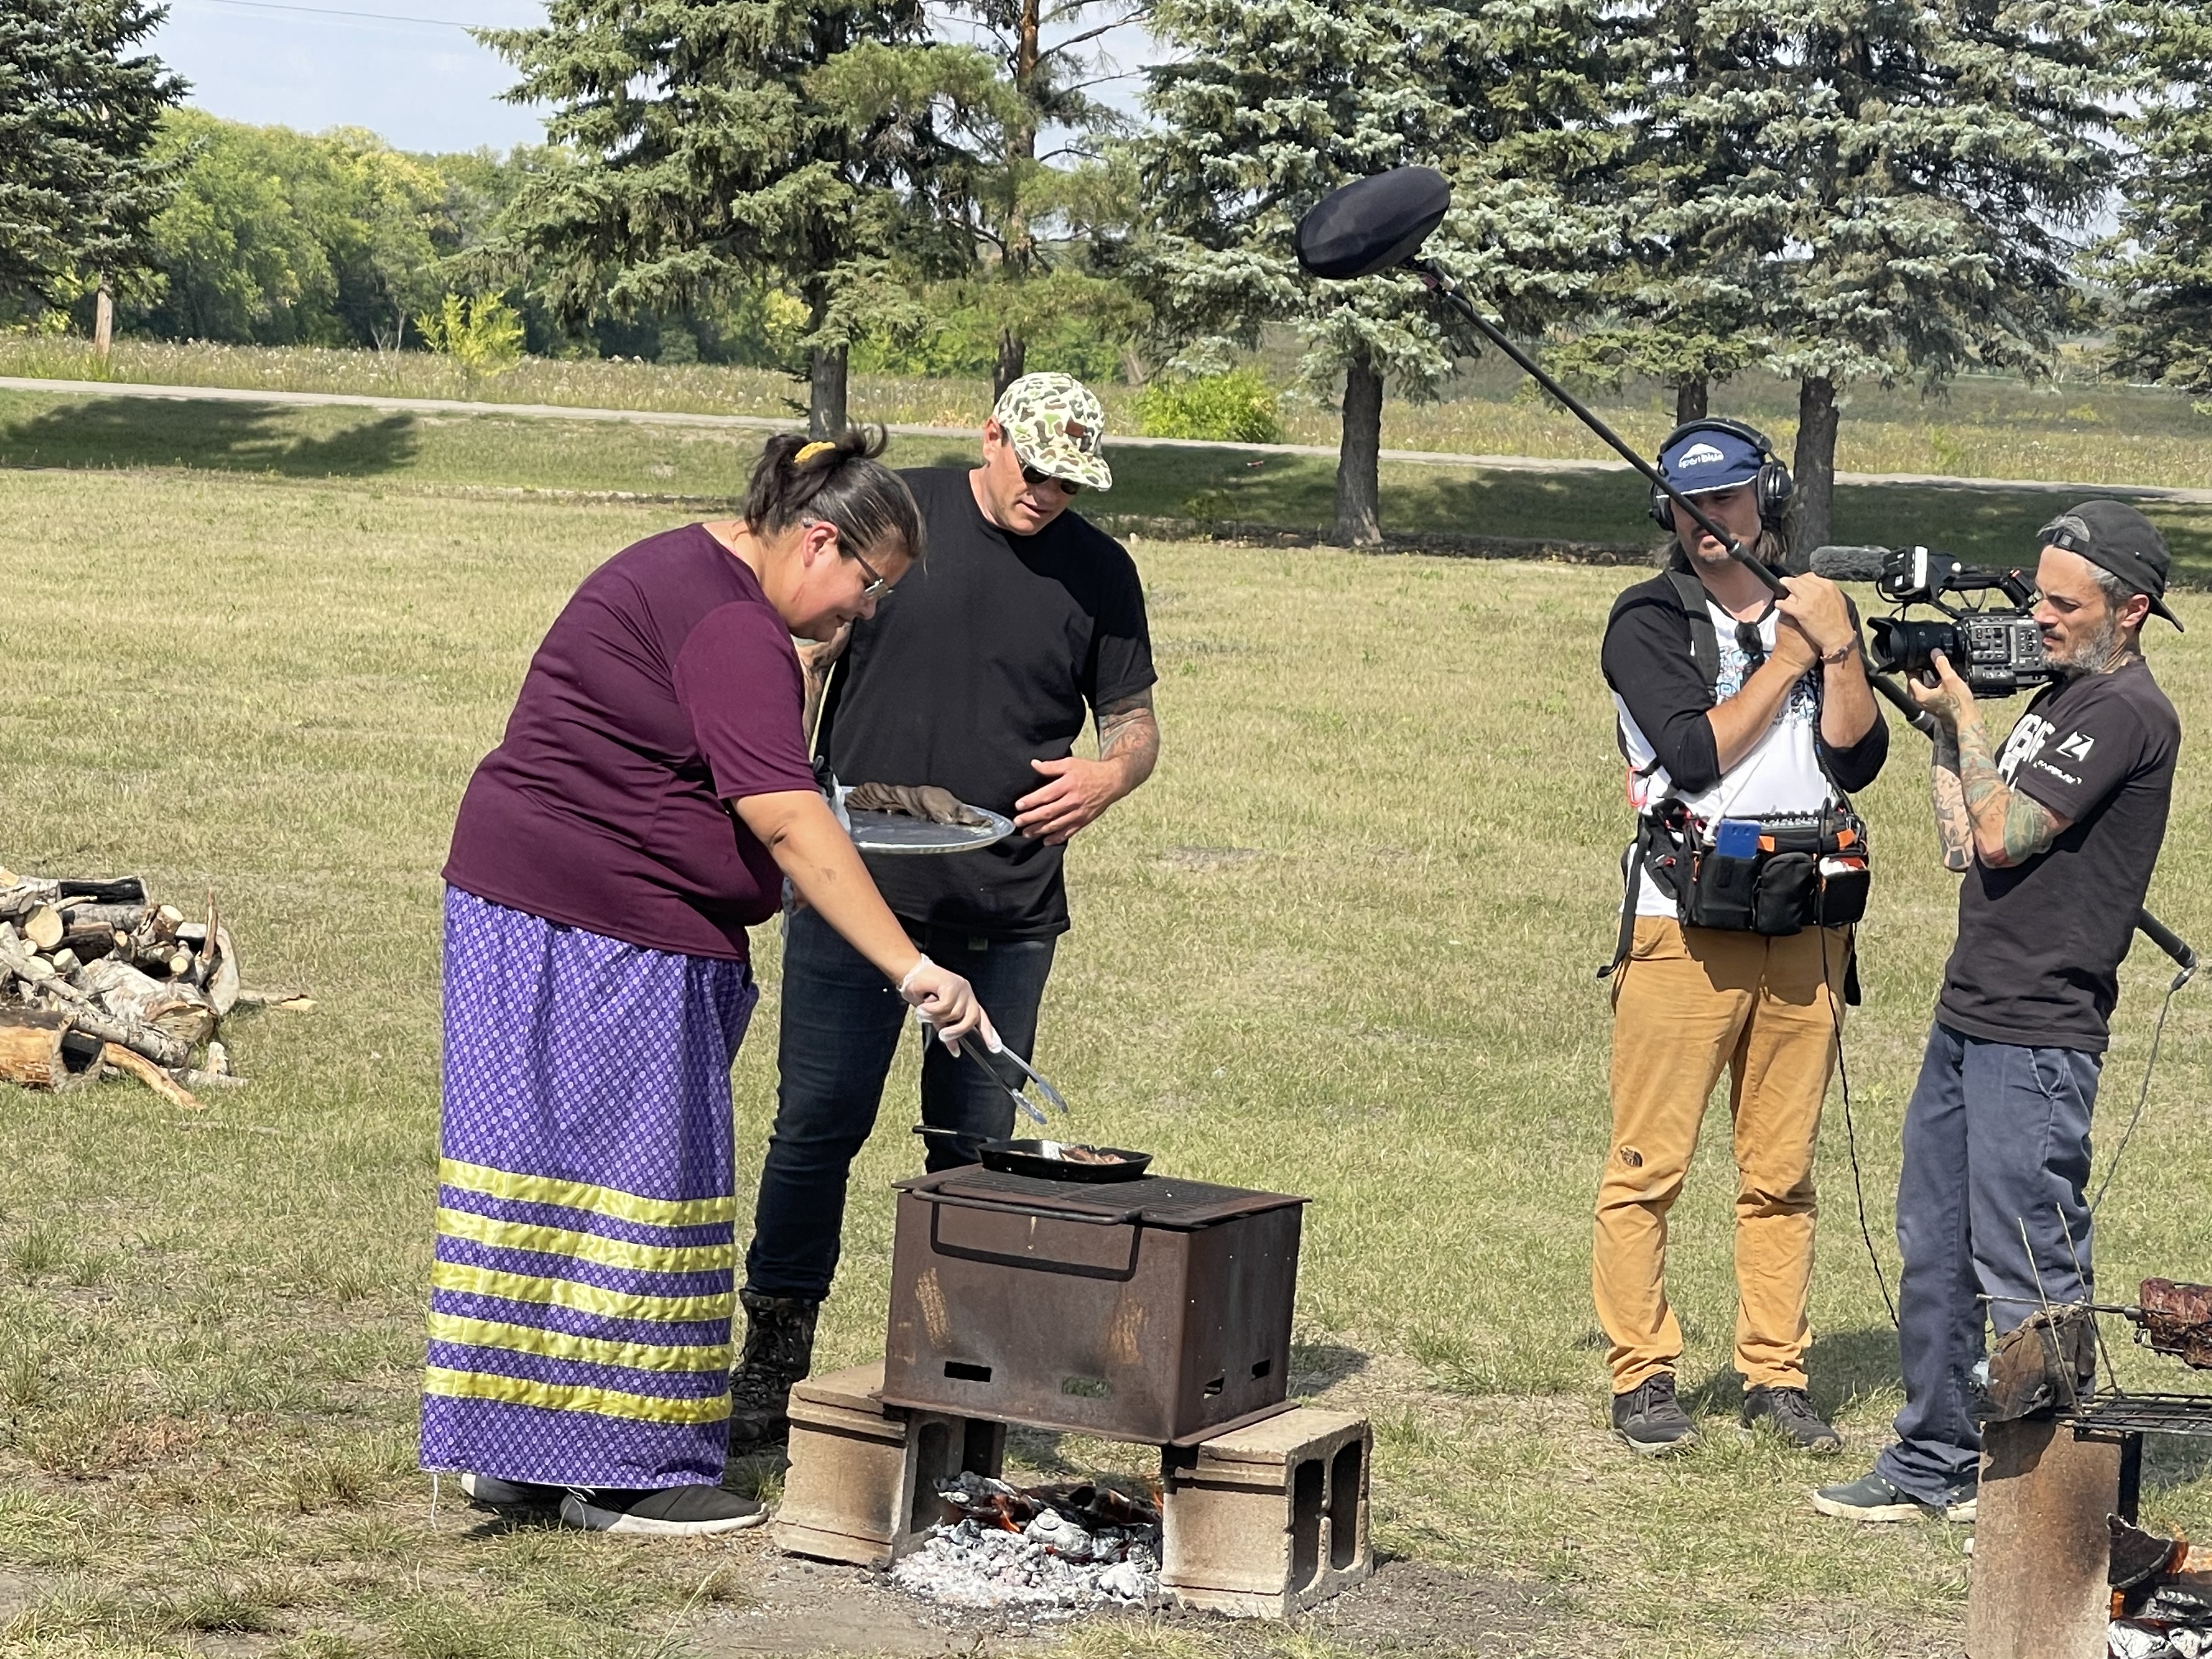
<point x="1781" y="775"/>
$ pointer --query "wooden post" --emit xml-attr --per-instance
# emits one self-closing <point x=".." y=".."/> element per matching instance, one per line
<point x="103" y="321"/>
<point x="2042" y="1549"/>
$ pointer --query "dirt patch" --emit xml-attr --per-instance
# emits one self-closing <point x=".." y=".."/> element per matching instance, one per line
<point x="811" y="1606"/>
<point x="1410" y="1604"/>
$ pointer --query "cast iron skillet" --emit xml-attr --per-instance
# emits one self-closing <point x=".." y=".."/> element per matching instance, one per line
<point x="1029" y="1157"/>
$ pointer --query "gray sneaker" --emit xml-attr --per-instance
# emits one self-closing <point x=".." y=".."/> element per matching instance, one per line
<point x="1789" y="1411"/>
<point x="1871" y="1498"/>
<point x="1650" y="1419"/>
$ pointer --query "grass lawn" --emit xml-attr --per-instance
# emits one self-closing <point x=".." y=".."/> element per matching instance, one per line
<point x="1982" y="428"/>
<point x="498" y="456"/>
<point x="1341" y="946"/>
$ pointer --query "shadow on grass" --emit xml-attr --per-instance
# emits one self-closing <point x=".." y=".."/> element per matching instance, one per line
<point x="222" y="437"/>
<point x="1845" y="1366"/>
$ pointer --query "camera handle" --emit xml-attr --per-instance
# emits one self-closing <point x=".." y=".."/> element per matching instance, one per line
<point x="2148" y="925"/>
<point x="1434" y="277"/>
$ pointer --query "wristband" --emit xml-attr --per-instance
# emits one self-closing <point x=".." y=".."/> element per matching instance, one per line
<point x="921" y="962"/>
<point x="1839" y="656"/>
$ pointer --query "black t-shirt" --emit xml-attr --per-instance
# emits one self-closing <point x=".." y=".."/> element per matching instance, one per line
<point x="2040" y="944"/>
<point x="988" y="657"/>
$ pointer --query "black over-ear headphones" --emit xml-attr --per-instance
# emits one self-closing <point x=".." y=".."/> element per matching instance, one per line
<point x="1773" y="484"/>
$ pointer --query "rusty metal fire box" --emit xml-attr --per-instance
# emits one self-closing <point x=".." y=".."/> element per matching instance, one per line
<point x="1155" y="1310"/>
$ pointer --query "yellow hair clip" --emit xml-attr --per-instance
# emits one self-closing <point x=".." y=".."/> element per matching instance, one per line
<point x="808" y="452"/>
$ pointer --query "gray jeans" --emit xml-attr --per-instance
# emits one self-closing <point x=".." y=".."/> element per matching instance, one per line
<point x="1996" y="1145"/>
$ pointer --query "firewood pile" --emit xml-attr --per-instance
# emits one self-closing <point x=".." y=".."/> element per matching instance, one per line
<point x="95" y="975"/>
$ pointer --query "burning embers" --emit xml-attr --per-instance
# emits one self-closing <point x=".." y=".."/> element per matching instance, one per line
<point x="1039" y="1546"/>
<point x="2161" y="1610"/>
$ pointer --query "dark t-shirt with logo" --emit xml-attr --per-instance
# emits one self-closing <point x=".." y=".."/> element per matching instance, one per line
<point x="2039" y="947"/>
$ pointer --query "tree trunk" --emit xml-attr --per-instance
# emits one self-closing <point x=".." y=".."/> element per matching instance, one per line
<point x="1358" y="486"/>
<point x="825" y="405"/>
<point x="1812" y="506"/>
<point x="1013" y="351"/>
<point x="1690" y="403"/>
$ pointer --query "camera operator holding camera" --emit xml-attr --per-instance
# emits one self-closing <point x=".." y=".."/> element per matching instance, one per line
<point x="2056" y="835"/>
<point x="1746" y="720"/>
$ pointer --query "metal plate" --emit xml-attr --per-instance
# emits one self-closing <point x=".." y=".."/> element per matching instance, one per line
<point x="896" y="833"/>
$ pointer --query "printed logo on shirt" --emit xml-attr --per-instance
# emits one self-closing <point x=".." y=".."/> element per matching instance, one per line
<point x="2076" y="745"/>
<point x="1699" y="455"/>
<point x="2025" y="743"/>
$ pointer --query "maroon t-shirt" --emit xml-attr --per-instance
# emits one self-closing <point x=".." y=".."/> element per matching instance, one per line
<point x="667" y="687"/>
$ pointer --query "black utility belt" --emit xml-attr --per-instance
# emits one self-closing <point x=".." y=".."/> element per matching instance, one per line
<point x="1773" y="875"/>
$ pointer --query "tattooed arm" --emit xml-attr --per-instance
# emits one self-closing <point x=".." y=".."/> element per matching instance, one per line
<point x="2010" y="826"/>
<point x="1078" y="790"/>
<point x="1954" y="825"/>
<point x="1976" y="811"/>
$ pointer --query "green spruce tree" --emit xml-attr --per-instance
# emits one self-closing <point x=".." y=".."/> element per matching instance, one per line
<point x="2161" y="265"/>
<point x="80" y="109"/>
<point x="1038" y="161"/>
<point x="1271" y="104"/>
<point x="707" y="145"/>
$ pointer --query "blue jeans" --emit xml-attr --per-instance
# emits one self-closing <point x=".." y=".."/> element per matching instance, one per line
<point x="840" y="1029"/>
<point x="1996" y="1138"/>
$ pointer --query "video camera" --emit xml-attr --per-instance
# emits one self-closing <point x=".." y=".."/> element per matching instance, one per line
<point x="1996" y="649"/>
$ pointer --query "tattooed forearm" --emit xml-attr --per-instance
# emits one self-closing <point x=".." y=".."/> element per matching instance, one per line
<point x="1129" y="733"/>
<point x="2009" y="827"/>
<point x="1954" y="825"/>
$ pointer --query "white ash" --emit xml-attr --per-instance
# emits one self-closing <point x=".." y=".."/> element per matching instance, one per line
<point x="1053" y="1562"/>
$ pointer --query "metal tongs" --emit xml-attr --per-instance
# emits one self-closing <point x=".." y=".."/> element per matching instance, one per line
<point x="1028" y="1107"/>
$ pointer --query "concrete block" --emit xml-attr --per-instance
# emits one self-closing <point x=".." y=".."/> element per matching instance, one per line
<point x="1265" y="1521"/>
<point x="862" y="1483"/>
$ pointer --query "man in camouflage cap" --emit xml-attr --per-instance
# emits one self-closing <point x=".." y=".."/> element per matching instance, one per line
<point x="977" y="674"/>
<point x="1055" y="426"/>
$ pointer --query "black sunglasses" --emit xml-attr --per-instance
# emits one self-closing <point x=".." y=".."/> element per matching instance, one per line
<point x="1032" y="477"/>
<point x="877" y="588"/>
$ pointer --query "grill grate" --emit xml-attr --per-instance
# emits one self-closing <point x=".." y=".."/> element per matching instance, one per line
<point x="1157" y="1200"/>
<point x="2144" y="1413"/>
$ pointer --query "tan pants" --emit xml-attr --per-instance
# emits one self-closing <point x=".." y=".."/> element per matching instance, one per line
<point x="1687" y="1003"/>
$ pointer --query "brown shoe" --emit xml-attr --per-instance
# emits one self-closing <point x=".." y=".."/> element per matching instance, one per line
<point x="778" y="1352"/>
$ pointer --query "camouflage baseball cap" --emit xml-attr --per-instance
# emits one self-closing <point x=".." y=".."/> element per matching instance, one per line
<point x="1058" y="426"/>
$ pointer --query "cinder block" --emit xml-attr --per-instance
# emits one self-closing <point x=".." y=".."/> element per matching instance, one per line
<point x="862" y="1483"/>
<point x="1265" y="1521"/>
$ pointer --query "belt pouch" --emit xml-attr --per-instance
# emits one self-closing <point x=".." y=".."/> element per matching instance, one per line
<point x="1784" y="900"/>
<point x="1721" y="892"/>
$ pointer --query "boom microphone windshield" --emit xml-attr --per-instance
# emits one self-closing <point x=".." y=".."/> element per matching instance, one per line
<point x="1849" y="564"/>
<point x="1372" y="224"/>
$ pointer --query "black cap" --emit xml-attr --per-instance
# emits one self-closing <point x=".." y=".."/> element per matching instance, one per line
<point x="2114" y="537"/>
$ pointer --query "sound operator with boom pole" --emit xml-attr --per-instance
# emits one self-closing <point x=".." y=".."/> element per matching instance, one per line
<point x="2056" y="835"/>
<point x="1746" y="720"/>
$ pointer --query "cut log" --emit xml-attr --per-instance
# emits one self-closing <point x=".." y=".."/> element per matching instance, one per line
<point x="193" y="933"/>
<point x="192" y="1077"/>
<point x="19" y="898"/>
<point x="91" y="944"/>
<point x="43" y="926"/>
<point x="221" y="979"/>
<point x="152" y="1076"/>
<point x="128" y="918"/>
<point x="64" y="959"/>
<point x="31" y="1048"/>
<point x="218" y="1057"/>
<point x="178" y="1011"/>
<point x="119" y="1033"/>
<point x="121" y="889"/>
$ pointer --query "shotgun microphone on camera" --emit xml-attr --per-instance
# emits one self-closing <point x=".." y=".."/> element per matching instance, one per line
<point x="1849" y="564"/>
<point x="1377" y="224"/>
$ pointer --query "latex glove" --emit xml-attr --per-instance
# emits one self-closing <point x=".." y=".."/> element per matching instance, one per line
<point x="946" y="1002"/>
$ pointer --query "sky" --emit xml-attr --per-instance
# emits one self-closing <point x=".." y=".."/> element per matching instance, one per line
<point x="409" y="72"/>
<point x="423" y="85"/>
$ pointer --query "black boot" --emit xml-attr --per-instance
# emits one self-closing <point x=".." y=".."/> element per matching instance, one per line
<point x="779" y="1351"/>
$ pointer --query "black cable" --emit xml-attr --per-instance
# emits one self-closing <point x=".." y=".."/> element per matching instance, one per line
<point x="2158" y="1032"/>
<point x="1851" y="1130"/>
